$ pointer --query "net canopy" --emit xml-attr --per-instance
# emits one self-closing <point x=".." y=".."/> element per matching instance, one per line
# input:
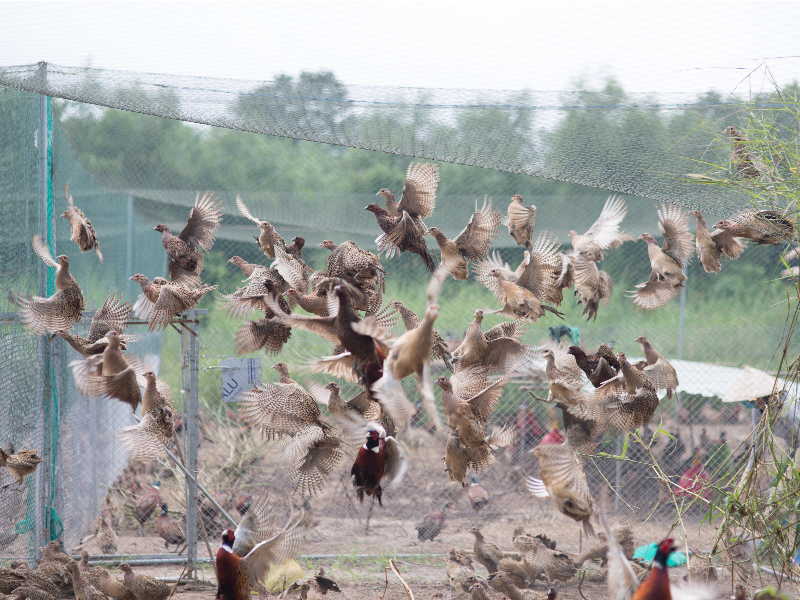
<point x="636" y="144"/>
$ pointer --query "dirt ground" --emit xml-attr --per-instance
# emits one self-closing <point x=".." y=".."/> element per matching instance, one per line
<point x="427" y="582"/>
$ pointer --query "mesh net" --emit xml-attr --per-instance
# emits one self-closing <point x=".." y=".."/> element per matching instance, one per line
<point x="129" y="169"/>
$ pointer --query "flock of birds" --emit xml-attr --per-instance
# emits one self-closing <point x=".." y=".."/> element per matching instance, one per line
<point x="345" y="306"/>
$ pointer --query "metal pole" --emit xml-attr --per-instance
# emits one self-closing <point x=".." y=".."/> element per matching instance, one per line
<point x="44" y="384"/>
<point x="682" y="318"/>
<point x="129" y="251"/>
<point x="192" y="410"/>
<point x="618" y="474"/>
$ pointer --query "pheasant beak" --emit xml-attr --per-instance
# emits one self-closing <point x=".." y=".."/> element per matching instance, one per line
<point x="427" y="232"/>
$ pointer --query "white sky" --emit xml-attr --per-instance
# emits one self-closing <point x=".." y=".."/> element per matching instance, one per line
<point x="647" y="46"/>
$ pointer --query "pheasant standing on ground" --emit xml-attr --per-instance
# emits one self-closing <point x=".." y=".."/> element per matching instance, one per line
<point x="268" y="237"/>
<point x="245" y="555"/>
<point x="82" y="588"/>
<point x="62" y="309"/>
<point x="174" y="298"/>
<point x="185" y="260"/>
<point x="520" y="221"/>
<point x="143" y="586"/>
<point x="486" y="554"/>
<point x="113" y="587"/>
<point x="81" y="228"/>
<point x="169" y="529"/>
<point x="667" y="262"/>
<point x="440" y="349"/>
<point x="604" y="234"/>
<point x="106" y="536"/>
<point x="478" y="496"/>
<point x="557" y="566"/>
<point x="146" y="505"/>
<point x="19" y="464"/>
<point x="432" y="524"/>
<point x="657" y="368"/>
<point x="112" y="315"/>
<point x="472" y="243"/>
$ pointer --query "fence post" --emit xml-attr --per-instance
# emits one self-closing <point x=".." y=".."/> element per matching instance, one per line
<point x="46" y="286"/>
<point x="192" y="413"/>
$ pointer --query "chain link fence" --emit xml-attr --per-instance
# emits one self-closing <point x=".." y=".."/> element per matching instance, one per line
<point x="719" y="324"/>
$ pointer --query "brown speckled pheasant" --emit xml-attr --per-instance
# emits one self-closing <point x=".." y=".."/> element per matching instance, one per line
<point x="419" y="192"/>
<point x="520" y="220"/>
<point x="106" y="536"/>
<point x="145" y="441"/>
<point x="35" y="578"/>
<point x="113" y="587"/>
<point x="557" y="566"/>
<point x="185" y="260"/>
<point x="19" y="464"/>
<point x="143" y="586"/>
<point x="657" y="368"/>
<point x="169" y="529"/>
<point x="313" y="454"/>
<point x="268" y="237"/>
<point x="26" y="592"/>
<point x="486" y="554"/>
<point x="62" y="309"/>
<point x="401" y="234"/>
<point x="109" y="374"/>
<point x="472" y="243"/>
<point x="764" y="227"/>
<point x="112" y="315"/>
<point x="82" y="231"/>
<point x="83" y="589"/>
<point x="281" y="408"/>
<point x="149" y="296"/>
<point x="173" y="299"/>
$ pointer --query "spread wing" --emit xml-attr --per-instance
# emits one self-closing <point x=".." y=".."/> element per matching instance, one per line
<point x="673" y="223"/>
<point x="204" y="220"/>
<point x="476" y="238"/>
<point x="275" y="550"/>
<point x="653" y="293"/>
<point x="605" y="231"/>
<point x="43" y="252"/>
<point x="396" y="463"/>
<point x="243" y="210"/>
<point x="542" y="266"/>
<point x="112" y="315"/>
<point x="419" y="191"/>
<point x="255" y="526"/>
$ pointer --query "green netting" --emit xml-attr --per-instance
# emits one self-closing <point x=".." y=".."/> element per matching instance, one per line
<point x="631" y="143"/>
<point x="130" y="171"/>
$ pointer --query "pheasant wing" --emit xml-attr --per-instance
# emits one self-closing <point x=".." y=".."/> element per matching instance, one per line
<point x="275" y="550"/>
<point x="204" y="220"/>
<point x="489" y="263"/>
<point x="673" y="223"/>
<point x="112" y="315"/>
<point x="653" y="293"/>
<point x="242" y="207"/>
<point x="542" y="266"/>
<point x="483" y="227"/>
<point x="605" y="230"/>
<point x="43" y="252"/>
<point x="419" y="191"/>
<point x="396" y="463"/>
